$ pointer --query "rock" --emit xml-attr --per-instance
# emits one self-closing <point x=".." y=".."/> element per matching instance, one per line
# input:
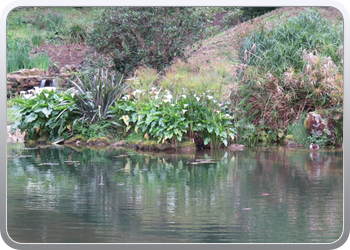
<point x="23" y="80"/>
<point x="101" y="141"/>
<point x="17" y="136"/>
<point x="65" y="75"/>
<point x="236" y="147"/>
<point x="118" y="143"/>
<point x="185" y="147"/>
<point x="29" y="72"/>
<point x="78" y="139"/>
<point x="320" y="123"/>
<point x="290" y="141"/>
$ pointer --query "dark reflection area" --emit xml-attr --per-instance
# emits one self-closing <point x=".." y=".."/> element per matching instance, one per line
<point x="263" y="194"/>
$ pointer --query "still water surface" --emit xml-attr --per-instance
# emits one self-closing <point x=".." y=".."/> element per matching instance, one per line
<point x="259" y="195"/>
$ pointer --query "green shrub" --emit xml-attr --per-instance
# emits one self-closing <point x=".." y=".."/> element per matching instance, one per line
<point x="49" y="114"/>
<point x="77" y="33"/>
<point x="101" y="128"/>
<point x="299" y="132"/>
<point x="253" y="12"/>
<point x="152" y="36"/>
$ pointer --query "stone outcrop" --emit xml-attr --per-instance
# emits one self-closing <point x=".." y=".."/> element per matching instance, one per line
<point x="236" y="147"/>
<point x="23" y="80"/>
<point x="320" y="123"/>
<point x="17" y="136"/>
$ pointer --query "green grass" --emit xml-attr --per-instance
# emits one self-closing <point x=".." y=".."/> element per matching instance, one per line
<point x="23" y="22"/>
<point x="11" y="113"/>
<point x="11" y="116"/>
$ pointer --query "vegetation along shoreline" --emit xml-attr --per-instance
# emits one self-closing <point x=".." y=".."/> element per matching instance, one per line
<point x="159" y="78"/>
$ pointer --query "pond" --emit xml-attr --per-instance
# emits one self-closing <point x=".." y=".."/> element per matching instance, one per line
<point x="259" y="195"/>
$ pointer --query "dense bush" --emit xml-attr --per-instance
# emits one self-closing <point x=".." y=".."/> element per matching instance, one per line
<point x="152" y="36"/>
<point x="292" y="69"/>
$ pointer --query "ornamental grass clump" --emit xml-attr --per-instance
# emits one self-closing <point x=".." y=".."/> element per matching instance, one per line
<point x="292" y="69"/>
<point x="278" y="49"/>
<point x="97" y="93"/>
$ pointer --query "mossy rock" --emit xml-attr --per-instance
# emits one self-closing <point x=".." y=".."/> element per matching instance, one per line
<point x="43" y="140"/>
<point x="290" y="137"/>
<point x="149" y="145"/>
<point x="186" y="146"/>
<point x="100" y="141"/>
<point x="75" y="139"/>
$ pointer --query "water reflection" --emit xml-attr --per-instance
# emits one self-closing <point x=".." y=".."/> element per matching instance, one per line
<point x="270" y="194"/>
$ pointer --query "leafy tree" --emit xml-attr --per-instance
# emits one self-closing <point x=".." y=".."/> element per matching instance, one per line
<point x="252" y="12"/>
<point x="151" y="36"/>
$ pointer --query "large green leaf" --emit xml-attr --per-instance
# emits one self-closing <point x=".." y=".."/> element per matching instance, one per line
<point x="31" y="117"/>
<point x="207" y="140"/>
<point x="45" y="111"/>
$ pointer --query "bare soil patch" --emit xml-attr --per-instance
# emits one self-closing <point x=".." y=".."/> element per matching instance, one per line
<point x="67" y="54"/>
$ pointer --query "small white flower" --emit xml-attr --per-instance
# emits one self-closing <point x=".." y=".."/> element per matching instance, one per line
<point x="126" y="119"/>
<point x="173" y="105"/>
<point x="183" y="111"/>
<point x="136" y="92"/>
<point x="197" y="99"/>
<point x="46" y="94"/>
<point x="227" y="116"/>
<point x="185" y="105"/>
<point x="184" y="96"/>
<point x="126" y="97"/>
<point x="210" y="97"/>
